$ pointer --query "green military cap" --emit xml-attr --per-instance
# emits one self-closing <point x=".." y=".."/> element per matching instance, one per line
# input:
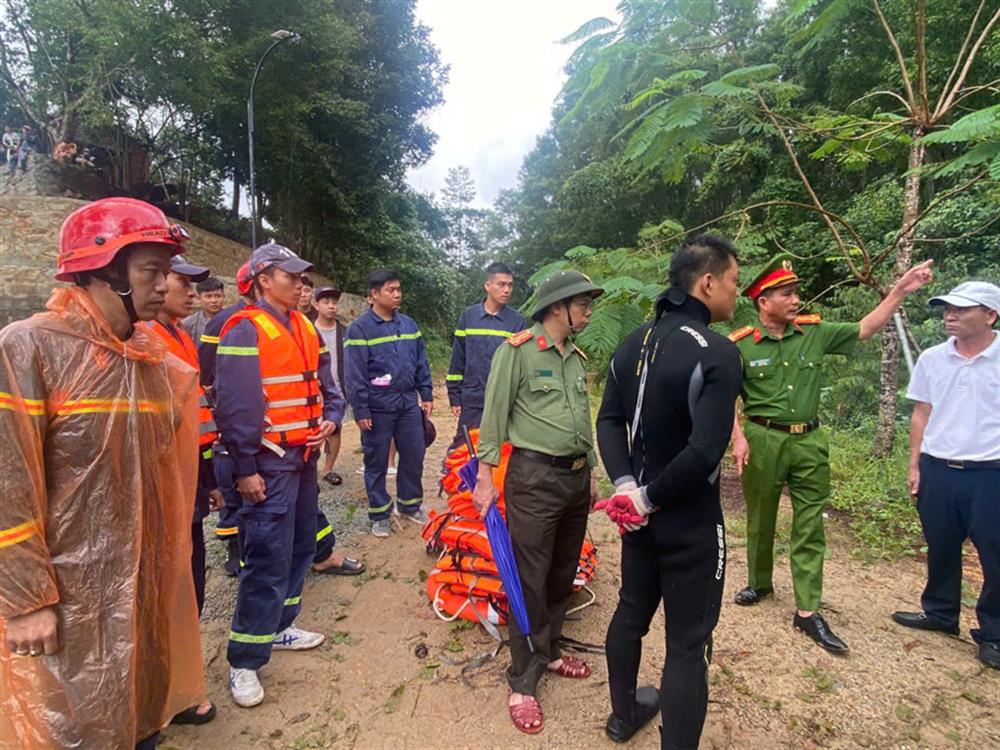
<point x="777" y="272"/>
<point x="563" y="285"/>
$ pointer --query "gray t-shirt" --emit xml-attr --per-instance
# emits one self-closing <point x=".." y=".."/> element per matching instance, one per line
<point x="329" y="336"/>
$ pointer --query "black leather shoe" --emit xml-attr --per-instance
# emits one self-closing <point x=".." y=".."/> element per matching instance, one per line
<point x="921" y="621"/>
<point x="647" y="705"/>
<point x="750" y="595"/>
<point x="232" y="563"/>
<point x="816" y="628"/>
<point x="989" y="654"/>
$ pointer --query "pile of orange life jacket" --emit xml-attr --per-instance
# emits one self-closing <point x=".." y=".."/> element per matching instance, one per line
<point x="464" y="582"/>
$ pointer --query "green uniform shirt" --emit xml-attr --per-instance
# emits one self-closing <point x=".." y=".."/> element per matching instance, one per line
<point x="536" y="398"/>
<point x="782" y="376"/>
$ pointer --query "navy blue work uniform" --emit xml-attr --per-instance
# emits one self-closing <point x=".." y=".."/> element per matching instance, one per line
<point x="385" y="369"/>
<point x="278" y="535"/>
<point x="227" y="526"/>
<point x="478" y="333"/>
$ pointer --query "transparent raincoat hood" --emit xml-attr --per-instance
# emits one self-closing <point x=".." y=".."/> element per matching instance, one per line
<point x="98" y="465"/>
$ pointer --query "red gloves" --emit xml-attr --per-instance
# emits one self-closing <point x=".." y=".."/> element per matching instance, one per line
<point x="629" y="507"/>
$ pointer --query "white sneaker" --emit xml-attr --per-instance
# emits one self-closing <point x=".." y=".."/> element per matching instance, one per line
<point x="293" y="639"/>
<point x="245" y="687"/>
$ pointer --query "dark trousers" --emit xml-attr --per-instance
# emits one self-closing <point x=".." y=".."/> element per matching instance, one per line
<point x="407" y="427"/>
<point x="227" y="527"/>
<point x="470" y="417"/>
<point x="278" y="543"/>
<point x="547" y="509"/>
<point x="149" y="743"/>
<point x="679" y="559"/>
<point x="198" y="562"/>
<point x="955" y="505"/>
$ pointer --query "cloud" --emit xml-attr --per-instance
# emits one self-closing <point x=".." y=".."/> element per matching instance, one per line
<point x="506" y="71"/>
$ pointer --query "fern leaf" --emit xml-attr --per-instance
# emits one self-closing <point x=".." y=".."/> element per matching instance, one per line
<point x="588" y="29"/>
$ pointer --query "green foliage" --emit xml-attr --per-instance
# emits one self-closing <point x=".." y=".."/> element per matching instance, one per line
<point x="874" y="494"/>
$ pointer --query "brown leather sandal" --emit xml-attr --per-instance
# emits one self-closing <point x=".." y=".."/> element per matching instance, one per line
<point x="526" y="713"/>
<point x="575" y="669"/>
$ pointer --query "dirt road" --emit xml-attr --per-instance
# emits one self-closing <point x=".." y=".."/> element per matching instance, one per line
<point x="771" y="687"/>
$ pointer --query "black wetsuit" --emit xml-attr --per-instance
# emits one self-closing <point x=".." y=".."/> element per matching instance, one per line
<point x="692" y="382"/>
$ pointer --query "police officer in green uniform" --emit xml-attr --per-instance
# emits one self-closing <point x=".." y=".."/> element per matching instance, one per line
<point x="783" y="442"/>
<point x="536" y="399"/>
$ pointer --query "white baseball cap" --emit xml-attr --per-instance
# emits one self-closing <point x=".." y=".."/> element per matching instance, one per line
<point x="969" y="294"/>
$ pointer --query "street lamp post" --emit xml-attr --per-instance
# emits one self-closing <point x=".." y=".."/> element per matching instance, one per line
<point x="279" y="36"/>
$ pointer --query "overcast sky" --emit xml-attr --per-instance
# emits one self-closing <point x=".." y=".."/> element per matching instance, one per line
<point x="506" y="70"/>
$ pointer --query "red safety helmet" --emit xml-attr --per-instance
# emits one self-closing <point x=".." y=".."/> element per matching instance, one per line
<point x="92" y="235"/>
<point x="244" y="281"/>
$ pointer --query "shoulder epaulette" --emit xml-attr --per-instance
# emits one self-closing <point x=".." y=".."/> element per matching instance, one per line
<point x="519" y="338"/>
<point x="808" y="320"/>
<point x="740" y="333"/>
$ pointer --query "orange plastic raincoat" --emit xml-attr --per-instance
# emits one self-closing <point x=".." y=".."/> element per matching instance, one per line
<point x="98" y="464"/>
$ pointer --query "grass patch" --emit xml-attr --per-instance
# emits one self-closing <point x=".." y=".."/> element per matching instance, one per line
<point x="873" y="493"/>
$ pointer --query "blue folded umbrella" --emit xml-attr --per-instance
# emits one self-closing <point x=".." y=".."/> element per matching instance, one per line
<point x="503" y="552"/>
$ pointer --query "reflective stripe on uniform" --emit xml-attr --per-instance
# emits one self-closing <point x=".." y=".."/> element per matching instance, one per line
<point x="324" y="350"/>
<point x="17" y="534"/>
<point x="203" y="400"/>
<point x="206" y="339"/>
<point x="290" y="402"/>
<point x="33" y="406"/>
<point x="101" y="405"/>
<point x="288" y="427"/>
<point x="325" y="531"/>
<point x="207" y="453"/>
<point x="380" y="508"/>
<point x="383" y="339"/>
<point x="238" y="351"/>
<point x="247" y="638"/>
<point x="205" y="427"/>
<point x="414" y="501"/>
<point x="227" y="531"/>
<point x="279" y="379"/>
<point x="483" y="332"/>
<point x="292" y="601"/>
<point x="453" y="378"/>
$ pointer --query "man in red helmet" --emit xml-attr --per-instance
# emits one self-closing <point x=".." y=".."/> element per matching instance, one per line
<point x="97" y="605"/>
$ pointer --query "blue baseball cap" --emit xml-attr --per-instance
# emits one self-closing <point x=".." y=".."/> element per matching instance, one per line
<point x="181" y="267"/>
<point x="273" y="255"/>
<point x="327" y="291"/>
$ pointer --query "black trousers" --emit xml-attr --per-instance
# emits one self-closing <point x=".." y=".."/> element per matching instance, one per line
<point x="954" y="505"/>
<point x="547" y="509"/>
<point x="198" y="562"/>
<point x="678" y="558"/>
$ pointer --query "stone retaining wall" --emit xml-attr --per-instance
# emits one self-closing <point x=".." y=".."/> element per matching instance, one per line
<point x="29" y="239"/>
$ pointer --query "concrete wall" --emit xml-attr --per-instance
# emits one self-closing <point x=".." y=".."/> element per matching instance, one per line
<point x="29" y="240"/>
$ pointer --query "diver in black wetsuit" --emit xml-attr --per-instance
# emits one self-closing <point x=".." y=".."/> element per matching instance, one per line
<point x="662" y="430"/>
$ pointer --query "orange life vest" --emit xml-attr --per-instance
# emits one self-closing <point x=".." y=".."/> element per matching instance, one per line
<point x="183" y="347"/>
<point x="289" y="375"/>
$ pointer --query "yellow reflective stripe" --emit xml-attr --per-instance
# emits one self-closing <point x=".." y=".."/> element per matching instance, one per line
<point x="239" y="351"/>
<point x="324" y="350"/>
<point x="247" y="638"/>
<point x="269" y="328"/>
<point x="206" y="339"/>
<point x="207" y="453"/>
<point x="101" y="405"/>
<point x="325" y="531"/>
<point x="414" y="501"/>
<point x="383" y="339"/>
<point x="226" y="531"/>
<point x="484" y="332"/>
<point x="380" y="508"/>
<point x="292" y="601"/>
<point x="33" y="406"/>
<point x="17" y="534"/>
<point x="451" y="377"/>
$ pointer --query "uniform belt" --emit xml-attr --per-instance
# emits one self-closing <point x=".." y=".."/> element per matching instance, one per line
<point x="955" y="463"/>
<point x="794" y="428"/>
<point x="575" y="463"/>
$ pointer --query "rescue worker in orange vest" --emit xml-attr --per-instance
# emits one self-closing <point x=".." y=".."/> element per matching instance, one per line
<point x="276" y="403"/>
<point x="176" y="305"/>
<point x="97" y="607"/>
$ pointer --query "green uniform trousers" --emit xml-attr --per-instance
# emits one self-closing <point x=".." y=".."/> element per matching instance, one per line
<point x="801" y="461"/>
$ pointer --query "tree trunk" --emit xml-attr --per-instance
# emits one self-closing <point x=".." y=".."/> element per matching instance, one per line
<point x="885" y="432"/>
<point x="234" y="210"/>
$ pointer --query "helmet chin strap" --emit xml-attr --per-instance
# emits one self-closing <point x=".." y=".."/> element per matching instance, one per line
<point x="569" y="317"/>
<point x="121" y="287"/>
